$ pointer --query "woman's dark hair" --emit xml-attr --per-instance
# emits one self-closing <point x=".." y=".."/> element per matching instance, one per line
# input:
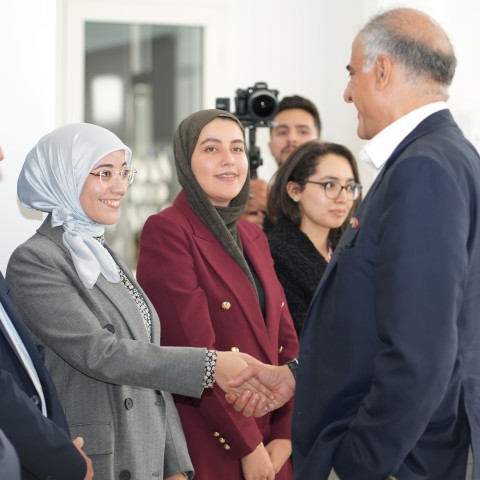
<point x="298" y="168"/>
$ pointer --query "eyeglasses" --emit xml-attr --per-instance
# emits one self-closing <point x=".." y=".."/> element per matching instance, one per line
<point x="334" y="189"/>
<point x="106" y="176"/>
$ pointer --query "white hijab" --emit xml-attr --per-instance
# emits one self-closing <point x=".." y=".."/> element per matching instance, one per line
<point x="52" y="179"/>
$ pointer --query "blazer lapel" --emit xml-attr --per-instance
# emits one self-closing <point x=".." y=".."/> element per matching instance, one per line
<point x="22" y="331"/>
<point x="127" y="308"/>
<point x="346" y="241"/>
<point x="272" y="305"/>
<point x="12" y="313"/>
<point x="234" y="277"/>
<point x="435" y="121"/>
<point x="120" y="298"/>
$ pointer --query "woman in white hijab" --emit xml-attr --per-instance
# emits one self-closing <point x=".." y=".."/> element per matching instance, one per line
<point x="101" y="332"/>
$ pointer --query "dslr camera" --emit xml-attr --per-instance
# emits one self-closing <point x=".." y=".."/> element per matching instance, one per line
<point x="254" y="106"/>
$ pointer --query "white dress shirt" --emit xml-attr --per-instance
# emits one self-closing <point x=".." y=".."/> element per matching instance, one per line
<point x="379" y="149"/>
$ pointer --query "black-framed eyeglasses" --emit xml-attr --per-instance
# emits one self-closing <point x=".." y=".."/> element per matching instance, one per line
<point x="333" y="189"/>
<point x="106" y="175"/>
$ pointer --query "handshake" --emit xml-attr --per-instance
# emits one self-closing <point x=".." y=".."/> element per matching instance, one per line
<point x="254" y="388"/>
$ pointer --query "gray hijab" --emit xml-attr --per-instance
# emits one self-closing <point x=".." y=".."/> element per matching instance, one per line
<point x="52" y="179"/>
<point x="222" y="221"/>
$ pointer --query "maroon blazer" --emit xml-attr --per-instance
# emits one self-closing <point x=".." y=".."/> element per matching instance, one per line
<point x="204" y="299"/>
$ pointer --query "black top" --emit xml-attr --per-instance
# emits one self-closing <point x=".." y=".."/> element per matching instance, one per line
<point x="299" y="267"/>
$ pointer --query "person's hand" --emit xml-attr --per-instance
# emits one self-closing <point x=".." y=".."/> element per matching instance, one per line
<point x="257" y="465"/>
<point x="257" y="202"/>
<point x="78" y="442"/>
<point x="177" y="476"/>
<point x="229" y="365"/>
<point x="279" y="450"/>
<point x="258" y="195"/>
<point x="279" y="380"/>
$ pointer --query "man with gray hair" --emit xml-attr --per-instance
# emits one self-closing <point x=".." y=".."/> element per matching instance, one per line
<point x="388" y="380"/>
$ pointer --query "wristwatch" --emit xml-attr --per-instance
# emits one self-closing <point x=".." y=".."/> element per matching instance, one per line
<point x="293" y="365"/>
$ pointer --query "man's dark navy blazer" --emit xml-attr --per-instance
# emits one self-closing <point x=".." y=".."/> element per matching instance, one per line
<point x="389" y="375"/>
<point x="43" y="444"/>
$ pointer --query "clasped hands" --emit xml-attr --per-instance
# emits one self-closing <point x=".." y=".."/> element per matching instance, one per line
<point x="252" y="387"/>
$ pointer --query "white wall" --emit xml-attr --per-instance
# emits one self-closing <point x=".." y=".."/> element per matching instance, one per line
<point x="299" y="47"/>
<point x="296" y="47"/>
<point x="27" y="104"/>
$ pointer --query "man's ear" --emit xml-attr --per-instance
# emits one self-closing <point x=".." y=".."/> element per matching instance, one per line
<point x="383" y="70"/>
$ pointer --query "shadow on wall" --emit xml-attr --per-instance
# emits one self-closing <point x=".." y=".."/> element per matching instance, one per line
<point x="28" y="213"/>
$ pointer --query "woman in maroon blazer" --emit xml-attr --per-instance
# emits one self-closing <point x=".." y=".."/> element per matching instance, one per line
<point x="212" y="281"/>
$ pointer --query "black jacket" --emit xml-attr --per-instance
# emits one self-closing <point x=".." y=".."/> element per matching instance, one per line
<point x="299" y="267"/>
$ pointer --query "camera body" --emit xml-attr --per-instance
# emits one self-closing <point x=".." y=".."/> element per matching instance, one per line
<point x="254" y="106"/>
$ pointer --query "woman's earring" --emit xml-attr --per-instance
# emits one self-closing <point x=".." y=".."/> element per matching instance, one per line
<point x="295" y="198"/>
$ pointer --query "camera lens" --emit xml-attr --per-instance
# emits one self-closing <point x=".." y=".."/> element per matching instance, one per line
<point x="262" y="105"/>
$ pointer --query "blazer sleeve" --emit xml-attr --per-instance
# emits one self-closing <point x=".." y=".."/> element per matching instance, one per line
<point x="61" y="313"/>
<point x="168" y="274"/>
<point x="424" y="230"/>
<point x="44" y="449"/>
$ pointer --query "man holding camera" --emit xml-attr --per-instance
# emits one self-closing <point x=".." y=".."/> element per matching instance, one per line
<point x="297" y="121"/>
